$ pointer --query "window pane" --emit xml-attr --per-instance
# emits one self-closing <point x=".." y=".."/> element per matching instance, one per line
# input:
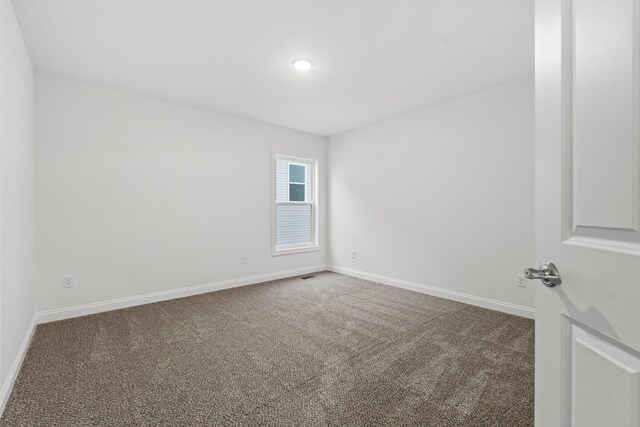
<point x="296" y="192"/>
<point x="296" y="173"/>
<point x="293" y="225"/>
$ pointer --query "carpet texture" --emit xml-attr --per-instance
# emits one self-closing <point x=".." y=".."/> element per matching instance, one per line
<point x="330" y="350"/>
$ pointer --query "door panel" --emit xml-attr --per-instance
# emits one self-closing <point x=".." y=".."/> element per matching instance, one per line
<point x="600" y="86"/>
<point x="603" y="383"/>
<point x="587" y="212"/>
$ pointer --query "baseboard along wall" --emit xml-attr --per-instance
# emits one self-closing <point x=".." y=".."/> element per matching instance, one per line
<point x="119" y="303"/>
<point x="5" y="391"/>
<point x="491" y="304"/>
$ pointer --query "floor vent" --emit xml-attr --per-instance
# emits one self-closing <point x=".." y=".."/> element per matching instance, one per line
<point x="307" y="277"/>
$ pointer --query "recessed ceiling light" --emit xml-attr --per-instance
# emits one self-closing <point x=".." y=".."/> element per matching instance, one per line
<point x="302" y="64"/>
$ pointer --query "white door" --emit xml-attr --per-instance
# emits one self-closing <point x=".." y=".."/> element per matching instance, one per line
<point x="588" y="212"/>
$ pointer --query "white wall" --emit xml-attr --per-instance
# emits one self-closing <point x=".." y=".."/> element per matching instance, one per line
<point x="137" y="195"/>
<point x="442" y="196"/>
<point x="17" y="238"/>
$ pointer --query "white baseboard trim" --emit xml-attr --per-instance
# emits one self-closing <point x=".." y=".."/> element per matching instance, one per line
<point x="5" y="391"/>
<point x="491" y="304"/>
<point x="116" y="304"/>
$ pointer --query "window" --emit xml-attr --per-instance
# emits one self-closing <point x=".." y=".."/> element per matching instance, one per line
<point x="295" y="212"/>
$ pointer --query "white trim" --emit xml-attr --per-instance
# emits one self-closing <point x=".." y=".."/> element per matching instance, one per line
<point x="116" y="304"/>
<point x="5" y="392"/>
<point x="295" y="249"/>
<point x="294" y="203"/>
<point x="491" y="304"/>
<point x="604" y="244"/>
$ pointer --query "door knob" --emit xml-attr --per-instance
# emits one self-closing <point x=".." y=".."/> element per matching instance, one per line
<point x="548" y="273"/>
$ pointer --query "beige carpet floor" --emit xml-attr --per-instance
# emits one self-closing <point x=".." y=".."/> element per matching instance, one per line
<point x="330" y="350"/>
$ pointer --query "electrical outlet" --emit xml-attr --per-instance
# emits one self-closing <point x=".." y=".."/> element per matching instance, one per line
<point x="521" y="281"/>
<point x="353" y="254"/>
<point x="244" y="260"/>
<point x="67" y="281"/>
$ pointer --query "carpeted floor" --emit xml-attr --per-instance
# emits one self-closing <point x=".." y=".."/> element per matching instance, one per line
<point x="331" y="350"/>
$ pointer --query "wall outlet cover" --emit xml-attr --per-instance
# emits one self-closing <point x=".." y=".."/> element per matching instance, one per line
<point x="67" y="281"/>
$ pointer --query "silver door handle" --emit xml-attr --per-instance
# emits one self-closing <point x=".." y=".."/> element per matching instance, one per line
<point x="548" y="273"/>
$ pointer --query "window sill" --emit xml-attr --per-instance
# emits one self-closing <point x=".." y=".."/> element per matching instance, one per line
<point x="298" y="250"/>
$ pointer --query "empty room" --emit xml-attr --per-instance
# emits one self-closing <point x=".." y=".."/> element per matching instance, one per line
<point x="320" y="213"/>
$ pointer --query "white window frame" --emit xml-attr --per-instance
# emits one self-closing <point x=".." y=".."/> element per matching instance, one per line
<point x="315" y="243"/>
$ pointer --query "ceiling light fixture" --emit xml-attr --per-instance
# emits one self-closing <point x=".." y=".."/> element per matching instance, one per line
<point x="302" y="64"/>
